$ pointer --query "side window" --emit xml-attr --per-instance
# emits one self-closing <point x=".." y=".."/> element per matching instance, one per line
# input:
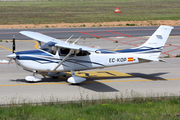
<point x="82" y="53"/>
<point x="64" y="51"/>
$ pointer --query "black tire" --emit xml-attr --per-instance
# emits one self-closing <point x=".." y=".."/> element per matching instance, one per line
<point x="55" y="77"/>
<point x="31" y="81"/>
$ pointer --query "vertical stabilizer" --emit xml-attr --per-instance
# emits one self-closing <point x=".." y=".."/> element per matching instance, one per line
<point x="152" y="48"/>
<point x="159" y="38"/>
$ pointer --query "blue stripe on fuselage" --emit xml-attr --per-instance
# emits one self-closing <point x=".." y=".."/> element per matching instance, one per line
<point x="141" y="49"/>
<point x="106" y="51"/>
<point x="33" y="58"/>
<point x="33" y="52"/>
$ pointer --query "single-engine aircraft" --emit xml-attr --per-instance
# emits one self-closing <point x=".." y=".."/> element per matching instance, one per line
<point x="56" y="56"/>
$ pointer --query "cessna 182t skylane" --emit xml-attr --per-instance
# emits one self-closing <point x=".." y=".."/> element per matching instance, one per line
<point x="56" y="56"/>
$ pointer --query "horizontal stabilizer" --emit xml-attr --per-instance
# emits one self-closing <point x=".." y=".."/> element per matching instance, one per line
<point x="147" y="58"/>
<point x="150" y="60"/>
<point x="161" y="60"/>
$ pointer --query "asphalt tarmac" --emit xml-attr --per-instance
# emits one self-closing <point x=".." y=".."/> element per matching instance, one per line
<point x="147" y="79"/>
<point x="64" y="33"/>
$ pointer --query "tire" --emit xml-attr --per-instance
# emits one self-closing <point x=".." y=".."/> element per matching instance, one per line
<point x="54" y="77"/>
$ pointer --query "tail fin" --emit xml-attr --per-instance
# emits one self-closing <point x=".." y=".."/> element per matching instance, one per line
<point x="152" y="48"/>
<point x="154" y="45"/>
<point x="159" y="38"/>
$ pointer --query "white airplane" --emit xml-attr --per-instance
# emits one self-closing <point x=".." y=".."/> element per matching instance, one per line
<point x="56" y="57"/>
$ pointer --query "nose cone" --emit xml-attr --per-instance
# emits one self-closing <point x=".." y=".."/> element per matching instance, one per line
<point x="11" y="56"/>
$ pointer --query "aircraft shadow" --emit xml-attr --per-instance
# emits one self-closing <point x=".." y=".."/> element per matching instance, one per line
<point x="98" y="86"/>
<point x="153" y="76"/>
<point x="94" y="86"/>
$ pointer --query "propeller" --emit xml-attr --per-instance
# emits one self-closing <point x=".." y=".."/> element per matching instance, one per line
<point x="13" y="55"/>
<point x="14" y="45"/>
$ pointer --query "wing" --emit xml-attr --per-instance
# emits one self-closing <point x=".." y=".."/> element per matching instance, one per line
<point x="44" y="38"/>
<point x="75" y="47"/>
<point x="59" y="43"/>
<point x="39" y="37"/>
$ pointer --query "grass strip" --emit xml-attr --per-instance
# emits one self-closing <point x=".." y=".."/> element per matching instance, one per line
<point x="49" y="12"/>
<point x="162" y="108"/>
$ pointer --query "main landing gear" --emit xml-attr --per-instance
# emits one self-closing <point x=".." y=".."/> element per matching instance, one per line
<point x="73" y="79"/>
<point x="33" y="78"/>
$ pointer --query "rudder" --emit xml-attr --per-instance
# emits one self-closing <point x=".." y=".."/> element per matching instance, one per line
<point x="154" y="45"/>
<point x="159" y="37"/>
<point x="152" y="48"/>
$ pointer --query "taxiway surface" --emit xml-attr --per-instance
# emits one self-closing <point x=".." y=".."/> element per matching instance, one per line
<point x="147" y="79"/>
<point x="64" y="33"/>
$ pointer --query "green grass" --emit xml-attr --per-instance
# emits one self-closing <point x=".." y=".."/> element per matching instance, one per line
<point x="130" y="24"/>
<point x="39" y="12"/>
<point x="116" y="41"/>
<point x="177" y="56"/>
<point x="168" y="56"/>
<point x="135" y="109"/>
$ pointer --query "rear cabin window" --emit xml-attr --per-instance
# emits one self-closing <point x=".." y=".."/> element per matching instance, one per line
<point x="82" y="53"/>
<point x="64" y="51"/>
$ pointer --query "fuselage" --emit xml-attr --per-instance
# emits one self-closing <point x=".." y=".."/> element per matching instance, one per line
<point x="41" y="60"/>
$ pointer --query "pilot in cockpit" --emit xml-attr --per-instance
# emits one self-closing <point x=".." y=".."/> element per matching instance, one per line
<point x="54" y="49"/>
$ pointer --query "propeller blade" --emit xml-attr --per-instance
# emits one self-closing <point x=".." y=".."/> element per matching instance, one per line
<point x="14" y="45"/>
<point x="16" y="64"/>
<point x="11" y="57"/>
<point x="9" y="61"/>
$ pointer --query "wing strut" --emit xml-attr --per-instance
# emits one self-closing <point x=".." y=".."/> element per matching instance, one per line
<point x="68" y="39"/>
<point x="63" y="60"/>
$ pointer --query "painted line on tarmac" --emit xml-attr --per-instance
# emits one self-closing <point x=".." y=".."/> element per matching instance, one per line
<point x="103" y="81"/>
<point x="34" y="84"/>
<point x="140" y="80"/>
<point x="6" y="48"/>
<point x="36" y="45"/>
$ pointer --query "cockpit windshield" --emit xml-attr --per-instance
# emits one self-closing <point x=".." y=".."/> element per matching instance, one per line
<point x="49" y="47"/>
